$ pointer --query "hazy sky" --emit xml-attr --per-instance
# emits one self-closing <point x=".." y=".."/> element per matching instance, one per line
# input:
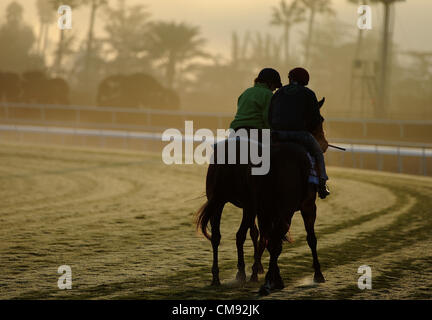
<point x="218" y="18"/>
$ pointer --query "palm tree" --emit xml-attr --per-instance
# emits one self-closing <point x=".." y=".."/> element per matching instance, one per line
<point x="85" y="80"/>
<point x="94" y="6"/>
<point x="175" y="43"/>
<point x="125" y="28"/>
<point x="239" y="50"/>
<point x="315" y="7"/>
<point x="46" y="16"/>
<point x="16" y="40"/>
<point x="63" y="40"/>
<point x="286" y="16"/>
<point x="385" y="54"/>
<point x="14" y="13"/>
<point x="266" y="50"/>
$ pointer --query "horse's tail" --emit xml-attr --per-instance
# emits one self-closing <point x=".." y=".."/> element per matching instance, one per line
<point x="209" y="208"/>
<point x="203" y="216"/>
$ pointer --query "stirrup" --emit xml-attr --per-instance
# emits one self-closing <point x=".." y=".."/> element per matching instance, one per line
<point x="323" y="190"/>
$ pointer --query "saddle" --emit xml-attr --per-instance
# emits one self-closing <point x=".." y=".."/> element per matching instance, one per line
<point x="313" y="177"/>
<point x="313" y="174"/>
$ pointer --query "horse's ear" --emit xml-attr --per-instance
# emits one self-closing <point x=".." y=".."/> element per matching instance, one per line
<point x="321" y="102"/>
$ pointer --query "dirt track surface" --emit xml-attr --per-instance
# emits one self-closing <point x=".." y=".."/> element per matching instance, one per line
<point x="124" y="223"/>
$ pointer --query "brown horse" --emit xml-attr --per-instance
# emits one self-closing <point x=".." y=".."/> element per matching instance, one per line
<point x="230" y="183"/>
<point x="284" y="191"/>
<point x="265" y="197"/>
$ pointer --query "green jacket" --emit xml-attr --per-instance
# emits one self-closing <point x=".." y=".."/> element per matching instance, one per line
<point x="252" y="108"/>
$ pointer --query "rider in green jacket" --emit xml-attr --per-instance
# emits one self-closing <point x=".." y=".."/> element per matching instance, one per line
<point x="253" y="104"/>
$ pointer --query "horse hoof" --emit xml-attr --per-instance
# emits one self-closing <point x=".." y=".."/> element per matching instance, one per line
<point x="319" y="278"/>
<point x="258" y="268"/>
<point x="279" y="285"/>
<point x="215" y="283"/>
<point x="264" y="290"/>
<point x="254" y="278"/>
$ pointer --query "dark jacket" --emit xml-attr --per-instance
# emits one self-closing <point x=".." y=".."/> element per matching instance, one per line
<point x="294" y="108"/>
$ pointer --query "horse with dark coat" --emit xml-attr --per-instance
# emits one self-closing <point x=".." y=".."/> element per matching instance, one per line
<point x="264" y="197"/>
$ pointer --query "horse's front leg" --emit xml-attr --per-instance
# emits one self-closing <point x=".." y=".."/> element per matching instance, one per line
<point x="273" y="279"/>
<point x="215" y="240"/>
<point x="246" y="223"/>
<point x="309" y="216"/>
<point x="259" y="247"/>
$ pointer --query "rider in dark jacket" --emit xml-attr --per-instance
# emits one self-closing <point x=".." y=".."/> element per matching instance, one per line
<point x="294" y="112"/>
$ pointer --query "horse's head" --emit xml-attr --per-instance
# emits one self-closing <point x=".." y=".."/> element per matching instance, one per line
<point x="318" y="132"/>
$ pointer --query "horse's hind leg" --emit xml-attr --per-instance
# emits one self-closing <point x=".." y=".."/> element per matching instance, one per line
<point x="259" y="248"/>
<point x="273" y="280"/>
<point x="215" y="240"/>
<point x="309" y="216"/>
<point x="247" y="221"/>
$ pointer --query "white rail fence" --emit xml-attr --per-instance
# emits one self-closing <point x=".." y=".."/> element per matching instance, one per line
<point x="112" y="117"/>
<point x="423" y="153"/>
<point x="134" y="119"/>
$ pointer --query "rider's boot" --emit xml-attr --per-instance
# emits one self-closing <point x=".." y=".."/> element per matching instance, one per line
<point x="323" y="190"/>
